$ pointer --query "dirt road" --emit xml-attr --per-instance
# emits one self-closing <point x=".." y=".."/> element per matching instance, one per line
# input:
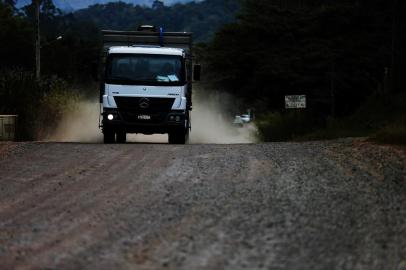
<point x="316" y="205"/>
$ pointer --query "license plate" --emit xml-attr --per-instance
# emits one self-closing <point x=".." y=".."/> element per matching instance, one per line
<point x="144" y="117"/>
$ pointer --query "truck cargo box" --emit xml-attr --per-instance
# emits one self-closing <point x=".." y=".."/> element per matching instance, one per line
<point x="181" y="40"/>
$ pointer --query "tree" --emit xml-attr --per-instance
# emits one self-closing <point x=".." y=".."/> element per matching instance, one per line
<point x="158" y="5"/>
<point x="11" y="3"/>
<point x="276" y="49"/>
<point x="16" y="44"/>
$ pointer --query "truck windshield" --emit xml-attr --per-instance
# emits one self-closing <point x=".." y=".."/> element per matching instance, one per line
<point x="145" y="69"/>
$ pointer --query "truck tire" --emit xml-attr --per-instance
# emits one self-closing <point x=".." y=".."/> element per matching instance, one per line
<point x="108" y="136"/>
<point x="121" y="137"/>
<point x="178" y="137"/>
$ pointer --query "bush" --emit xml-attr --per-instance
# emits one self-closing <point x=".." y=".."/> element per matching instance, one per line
<point x="38" y="104"/>
<point x="275" y="126"/>
<point x="53" y="105"/>
<point x="392" y="134"/>
<point x="382" y="117"/>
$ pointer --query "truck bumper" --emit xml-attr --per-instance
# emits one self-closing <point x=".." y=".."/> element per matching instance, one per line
<point x="135" y="122"/>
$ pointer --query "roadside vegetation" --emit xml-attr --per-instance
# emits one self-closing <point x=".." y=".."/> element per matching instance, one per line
<point x="348" y="59"/>
<point x="381" y="117"/>
<point x="203" y="18"/>
<point x="40" y="105"/>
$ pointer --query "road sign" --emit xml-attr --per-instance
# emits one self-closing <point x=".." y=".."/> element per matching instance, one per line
<point x="295" y="102"/>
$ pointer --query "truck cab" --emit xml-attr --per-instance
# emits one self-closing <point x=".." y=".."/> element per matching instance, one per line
<point x="147" y="85"/>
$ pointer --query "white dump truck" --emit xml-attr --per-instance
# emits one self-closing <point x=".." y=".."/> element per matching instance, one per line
<point x="146" y="84"/>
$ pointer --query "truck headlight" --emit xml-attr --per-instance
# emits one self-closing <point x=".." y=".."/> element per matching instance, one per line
<point x="110" y="117"/>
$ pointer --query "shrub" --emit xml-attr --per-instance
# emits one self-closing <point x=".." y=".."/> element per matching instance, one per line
<point x="392" y="134"/>
<point x="276" y="126"/>
<point x="38" y="104"/>
<point x="382" y="118"/>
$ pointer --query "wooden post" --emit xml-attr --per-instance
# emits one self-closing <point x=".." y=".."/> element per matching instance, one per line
<point x="395" y="25"/>
<point x="37" y="41"/>
<point x="333" y="89"/>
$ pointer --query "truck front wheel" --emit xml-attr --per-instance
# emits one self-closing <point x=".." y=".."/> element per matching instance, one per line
<point x="109" y="136"/>
<point x="178" y="137"/>
<point x="121" y="137"/>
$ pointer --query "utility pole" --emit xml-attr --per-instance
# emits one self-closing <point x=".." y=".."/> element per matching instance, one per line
<point x="333" y="89"/>
<point x="395" y="24"/>
<point x="37" y="41"/>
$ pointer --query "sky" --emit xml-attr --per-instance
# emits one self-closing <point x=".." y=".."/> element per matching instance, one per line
<point x="78" y="4"/>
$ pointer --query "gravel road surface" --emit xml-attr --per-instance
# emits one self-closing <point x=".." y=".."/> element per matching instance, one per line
<point x="316" y="205"/>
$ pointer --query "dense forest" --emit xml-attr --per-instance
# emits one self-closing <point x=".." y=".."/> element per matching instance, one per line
<point x="71" y="57"/>
<point x="347" y="57"/>
<point x="338" y="53"/>
<point x="320" y="48"/>
<point x="201" y="18"/>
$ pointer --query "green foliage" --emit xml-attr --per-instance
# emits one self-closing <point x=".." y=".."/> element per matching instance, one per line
<point x="58" y="100"/>
<point x="276" y="126"/>
<point x="19" y="94"/>
<point x="47" y="10"/>
<point x="39" y="104"/>
<point x="16" y="46"/>
<point x="393" y="134"/>
<point x="306" y="47"/>
<point x="382" y="117"/>
<point x="72" y="57"/>
<point x="10" y="3"/>
<point x="201" y="18"/>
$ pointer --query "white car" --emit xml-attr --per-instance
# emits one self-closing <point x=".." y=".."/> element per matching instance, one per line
<point x="246" y="118"/>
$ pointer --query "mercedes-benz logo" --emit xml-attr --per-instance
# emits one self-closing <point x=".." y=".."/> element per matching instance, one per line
<point x="144" y="103"/>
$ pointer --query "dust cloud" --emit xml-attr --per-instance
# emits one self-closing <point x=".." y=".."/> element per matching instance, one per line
<point x="80" y="124"/>
<point x="211" y="123"/>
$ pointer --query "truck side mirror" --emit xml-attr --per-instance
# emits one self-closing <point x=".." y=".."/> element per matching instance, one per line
<point x="95" y="71"/>
<point x="196" y="72"/>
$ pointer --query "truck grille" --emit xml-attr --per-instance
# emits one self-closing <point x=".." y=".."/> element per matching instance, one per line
<point x="144" y="105"/>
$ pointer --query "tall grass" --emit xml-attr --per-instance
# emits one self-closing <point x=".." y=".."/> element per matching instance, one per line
<point x="392" y="134"/>
<point x="39" y="104"/>
<point x="382" y="117"/>
<point x="277" y="126"/>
